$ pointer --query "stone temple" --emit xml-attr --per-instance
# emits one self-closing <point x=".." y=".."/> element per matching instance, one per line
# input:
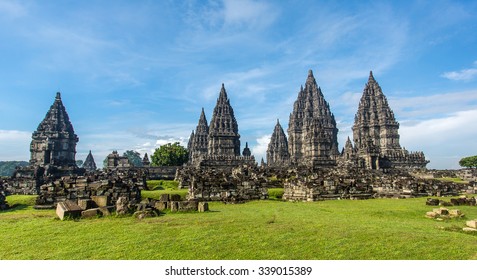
<point x="312" y="134"/>
<point x="312" y="128"/>
<point x="376" y="136"/>
<point x="218" y="144"/>
<point x="54" y="141"/>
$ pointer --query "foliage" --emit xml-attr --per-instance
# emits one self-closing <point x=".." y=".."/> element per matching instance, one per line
<point x="380" y="229"/>
<point x="157" y="193"/>
<point x="452" y="179"/>
<point x="79" y="163"/>
<point x="469" y="162"/>
<point x="162" y="185"/>
<point x="8" y="167"/>
<point x="170" y="155"/>
<point x="133" y="157"/>
<point x="275" y="193"/>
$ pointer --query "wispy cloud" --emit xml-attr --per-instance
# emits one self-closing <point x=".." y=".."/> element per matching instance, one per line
<point x="260" y="149"/>
<point x="442" y="139"/>
<point x="12" y="9"/>
<point x="468" y="74"/>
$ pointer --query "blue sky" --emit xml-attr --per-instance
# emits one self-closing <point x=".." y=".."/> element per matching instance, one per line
<point x="135" y="74"/>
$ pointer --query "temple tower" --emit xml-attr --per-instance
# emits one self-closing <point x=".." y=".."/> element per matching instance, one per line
<point x="89" y="164"/>
<point x="375" y="133"/>
<point x="277" y="152"/>
<point x="198" y="141"/>
<point x="312" y="131"/>
<point x="54" y="141"/>
<point x="224" y="139"/>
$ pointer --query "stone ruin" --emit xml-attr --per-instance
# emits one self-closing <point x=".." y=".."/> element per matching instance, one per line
<point x="3" y="196"/>
<point x="108" y="186"/>
<point x="242" y="183"/>
<point x="324" y="184"/>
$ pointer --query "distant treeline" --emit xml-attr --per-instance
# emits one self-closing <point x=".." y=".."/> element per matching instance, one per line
<point x="8" y="167"/>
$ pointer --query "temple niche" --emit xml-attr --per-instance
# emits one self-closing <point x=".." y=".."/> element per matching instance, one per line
<point x="376" y="136"/>
<point x="54" y="141"/>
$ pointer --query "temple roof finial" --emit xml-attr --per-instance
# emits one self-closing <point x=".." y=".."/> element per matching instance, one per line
<point x="58" y="95"/>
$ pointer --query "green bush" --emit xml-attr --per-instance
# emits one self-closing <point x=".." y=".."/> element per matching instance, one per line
<point x="162" y="185"/>
<point x="275" y="193"/>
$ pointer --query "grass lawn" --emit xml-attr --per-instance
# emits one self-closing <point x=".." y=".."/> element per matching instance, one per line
<point x="340" y="229"/>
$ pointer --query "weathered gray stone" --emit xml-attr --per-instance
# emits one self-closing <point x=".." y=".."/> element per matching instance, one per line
<point x="161" y="205"/>
<point x="468" y="229"/>
<point x="94" y="212"/>
<point x="85" y="203"/>
<point x="100" y="200"/>
<point x="203" y="206"/>
<point x="471" y="223"/>
<point x="122" y="205"/>
<point x="68" y="209"/>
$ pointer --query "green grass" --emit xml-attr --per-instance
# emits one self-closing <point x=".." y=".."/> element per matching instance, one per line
<point x="157" y="193"/>
<point x="452" y="179"/>
<point x="275" y="193"/>
<point x="340" y="229"/>
<point x="162" y="185"/>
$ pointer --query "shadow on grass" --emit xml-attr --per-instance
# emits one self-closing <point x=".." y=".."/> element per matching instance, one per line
<point x="16" y="207"/>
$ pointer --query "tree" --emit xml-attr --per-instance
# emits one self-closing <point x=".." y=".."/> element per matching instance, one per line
<point x="134" y="158"/>
<point x="79" y="163"/>
<point x="170" y="155"/>
<point x="469" y="162"/>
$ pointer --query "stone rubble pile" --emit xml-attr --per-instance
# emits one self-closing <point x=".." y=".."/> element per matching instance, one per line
<point x="242" y="183"/>
<point x="322" y="184"/>
<point x="444" y="213"/>
<point x="102" y="206"/>
<point x="112" y="186"/>
<point x="462" y="200"/>
<point x="471" y="226"/>
<point x="3" y="196"/>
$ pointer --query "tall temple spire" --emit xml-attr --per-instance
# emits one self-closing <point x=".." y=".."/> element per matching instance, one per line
<point x="312" y="131"/>
<point x="89" y="164"/>
<point x="54" y="141"/>
<point x="224" y="138"/>
<point x="375" y="131"/>
<point x="198" y="141"/>
<point x="277" y="151"/>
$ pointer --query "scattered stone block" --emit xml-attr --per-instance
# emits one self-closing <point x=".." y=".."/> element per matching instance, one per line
<point x="203" y="206"/>
<point x="105" y="210"/>
<point x="68" y="209"/>
<point x="174" y="206"/>
<point x="468" y="229"/>
<point x="164" y="197"/>
<point x="85" y="204"/>
<point x="432" y="215"/>
<point x="454" y="213"/>
<point x="122" y="205"/>
<point x="144" y="214"/>
<point x="441" y="211"/>
<point x="472" y="224"/>
<point x="161" y="205"/>
<point x="90" y="213"/>
<point x="100" y="200"/>
<point x="175" y="197"/>
<point x="432" y="202"/>
<point x="185" y="206"/>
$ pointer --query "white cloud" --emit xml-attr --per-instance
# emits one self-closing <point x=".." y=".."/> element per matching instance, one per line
<point x="444" y="140"/>
<point x="462" y="75"/>
<point x="15" y="145"/>
<point x="259" y="151"/>
<point x="246" y="12"/>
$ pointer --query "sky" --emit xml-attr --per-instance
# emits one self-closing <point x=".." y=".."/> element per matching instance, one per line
<point x="134" y="75"/>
